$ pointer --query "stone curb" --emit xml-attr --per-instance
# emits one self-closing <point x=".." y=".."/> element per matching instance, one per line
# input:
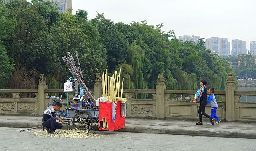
<point x="138" y="129"/>
<point x="188" y="132"/>
<point x="19" y="124"/>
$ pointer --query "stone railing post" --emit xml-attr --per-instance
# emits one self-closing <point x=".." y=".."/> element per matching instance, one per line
<point x="129" y="97"/>
<point x="40" y="104"/>
<point x="97" y="87"/>
<point x="230" y="98"/>
<point x="16" y="98"/>
<point x="160" y="97"/>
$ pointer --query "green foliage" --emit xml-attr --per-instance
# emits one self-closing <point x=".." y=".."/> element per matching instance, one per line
<point x="39" y="36"/>
<point x="36" y="36"/>
<point x="6" y="28"/>
<point x="245" y="65"/>
<point x="113" y="41"/>
<point x="6" y="67"/>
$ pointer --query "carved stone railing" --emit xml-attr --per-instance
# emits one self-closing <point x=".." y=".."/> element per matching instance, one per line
<point x="174" y="103"/>
<point x="144" y="103"/>
<point x="178" y="104"/>
<point x="245" y="111"/>
<point x="18" y="103"/>
<point x="140" y="107"/>
<point x="25" y="101"/>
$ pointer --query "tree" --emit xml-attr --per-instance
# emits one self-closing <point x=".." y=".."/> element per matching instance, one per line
<point x="113" y="41"/>
<point x="36" y="37"/>
<point x="6" y="28"/>
<point x="6" y="67"/>
<point x="246" y="66"/>
<point x="73" y="34"/>
<point x="42" y="36"/>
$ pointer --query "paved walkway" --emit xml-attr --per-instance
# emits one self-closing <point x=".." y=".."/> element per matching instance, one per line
<point x="224" y="129"/>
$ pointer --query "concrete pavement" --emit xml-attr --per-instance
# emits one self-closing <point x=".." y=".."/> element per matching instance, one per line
<point x="174" y="127"/>
<point x="12" y="139"/>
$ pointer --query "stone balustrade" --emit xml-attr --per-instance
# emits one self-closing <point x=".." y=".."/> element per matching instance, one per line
<point x="144" y="103"/>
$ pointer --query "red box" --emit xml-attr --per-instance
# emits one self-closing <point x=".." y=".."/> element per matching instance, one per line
<point x="110" y="116"/>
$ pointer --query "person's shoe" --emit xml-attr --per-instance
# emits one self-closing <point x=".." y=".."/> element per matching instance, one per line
<point x="218" y="122"/>
<point x="212" y="121"/>
<point x="199" y="123"/>
<point x="50" y="131"/>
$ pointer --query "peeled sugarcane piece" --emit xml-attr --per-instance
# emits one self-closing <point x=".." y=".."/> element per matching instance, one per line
<point x="103" y="84"/>
<point x="122" y="89"/>
<point x="66" y="134"/>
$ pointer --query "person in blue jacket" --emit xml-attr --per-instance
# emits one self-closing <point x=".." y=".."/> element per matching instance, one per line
<point x="214" y="105"/>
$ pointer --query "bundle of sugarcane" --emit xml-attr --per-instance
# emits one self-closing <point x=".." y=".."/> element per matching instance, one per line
<point x="112" y="88"/>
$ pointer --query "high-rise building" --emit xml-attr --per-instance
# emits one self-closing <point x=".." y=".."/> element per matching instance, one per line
<point x="224" y="48"/>
<point x="192" y="38"/>
<point x="63" y="5"/>
<point x="238" y="47"/>
<point x="253" y="47"/>
<point x="217" y="45"/>
<point x="212" y="44"/>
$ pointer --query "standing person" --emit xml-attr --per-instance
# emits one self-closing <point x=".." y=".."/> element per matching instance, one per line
<point x="203" y="103"/>
<point x="214" y="105"/>
<point x="50" y="121"/>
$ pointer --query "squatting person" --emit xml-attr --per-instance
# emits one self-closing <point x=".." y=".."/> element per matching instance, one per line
<point x="50" y="121"/>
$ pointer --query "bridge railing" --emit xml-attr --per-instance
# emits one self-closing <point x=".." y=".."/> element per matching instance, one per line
<point x="18" y="101"/>
<point x="245" y="110"/>
<point x="144" y="103"/>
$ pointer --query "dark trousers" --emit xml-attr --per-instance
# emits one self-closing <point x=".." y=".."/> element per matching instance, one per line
<point x="51" y="125"/>
<point x="201" y="112"/>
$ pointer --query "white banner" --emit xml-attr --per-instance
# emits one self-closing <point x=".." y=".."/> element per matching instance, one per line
<point x="68" y="86"/>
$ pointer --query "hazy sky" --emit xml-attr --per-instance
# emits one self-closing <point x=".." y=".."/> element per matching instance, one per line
<point x="206" y="18"/>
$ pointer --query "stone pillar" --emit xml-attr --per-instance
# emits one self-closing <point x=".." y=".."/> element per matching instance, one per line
<point x="129" y="97"/>
<point x="160" y="99"/>
<point x="40" y="105"/>
<point x="230" y="98"/>
<point x="16" y="98"/>
<point x="97" y="87"/>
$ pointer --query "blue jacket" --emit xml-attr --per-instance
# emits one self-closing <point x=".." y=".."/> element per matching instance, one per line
<point x="212" y="100"/>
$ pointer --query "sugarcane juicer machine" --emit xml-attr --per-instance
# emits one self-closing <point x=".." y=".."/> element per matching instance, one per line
<point x="85" y="112"/>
